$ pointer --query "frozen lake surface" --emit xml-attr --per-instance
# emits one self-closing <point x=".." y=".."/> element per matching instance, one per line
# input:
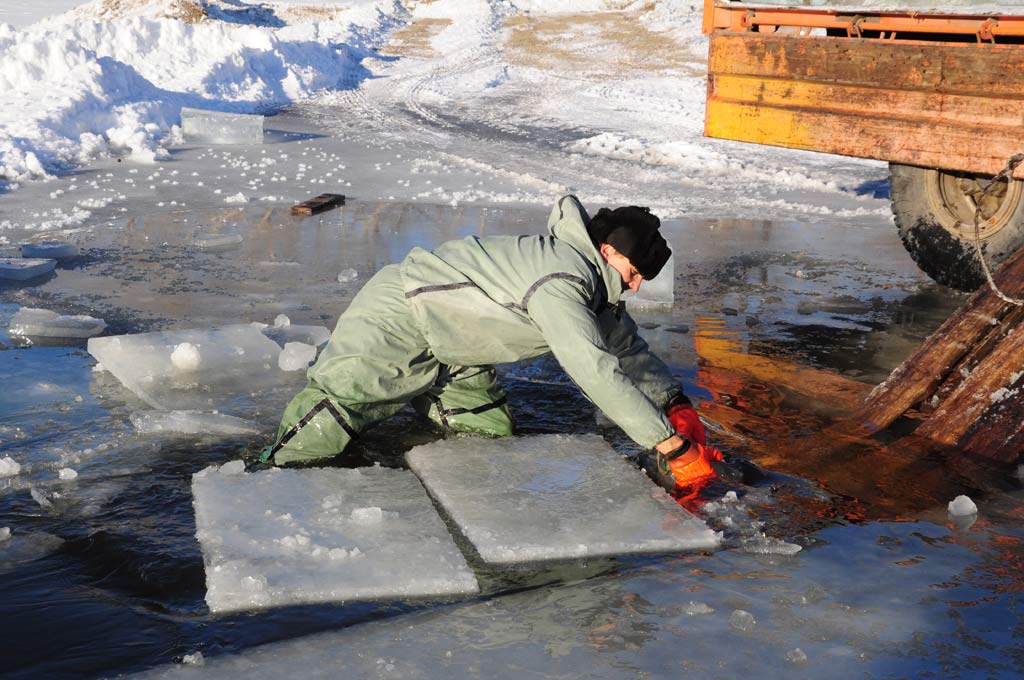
<point x="792" y="296"/>
<point x="885" y="583"/>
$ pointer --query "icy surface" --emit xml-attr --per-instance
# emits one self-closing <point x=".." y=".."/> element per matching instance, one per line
<point x="283" y="537"/>
<point x="213" y="127"/>
<point x="962" y="506"/>
<point x="56" y="250"/>
<point x="208" y="365"/>
<point x="309" y="335"/>
<point x="553" y="497"/>
<point x="23" y="269"/>
<point x="659" y="292"/>
<point x="33" y="322"/>
<point x="192" y="422"/>
<point x="296" y="356"/>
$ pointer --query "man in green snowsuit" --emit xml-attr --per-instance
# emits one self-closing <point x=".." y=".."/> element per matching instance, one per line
<point x="429" y="330"/>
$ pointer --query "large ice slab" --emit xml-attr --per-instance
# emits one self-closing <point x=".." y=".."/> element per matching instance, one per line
<point x="213" y="127"/>
<point x="282" y="537"/>
<point x="24" y="268"/>
<point x="197" y="369"/>
<point x="43" y="323"/>
<point x="553" y="497"/>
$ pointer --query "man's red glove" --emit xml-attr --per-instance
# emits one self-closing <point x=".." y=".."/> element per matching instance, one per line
<point x="692" y="470"/>
<point x="687" y="423"/>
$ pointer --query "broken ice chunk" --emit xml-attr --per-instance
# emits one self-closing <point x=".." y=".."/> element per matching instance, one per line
<point x="56" y="250"/>
<point x="186" y="357"/>
<point x="347" y="275"/>
<point x="23" y="269"/>
<point x="282" y="321"/>
<point x="212" y="127"/>
<point x="191" y="422"/>
<point x="33" y="322"/>
<point x="67" y="474"/>
<point x="5" y="534"/>
<point x="742" y="620"/>
<point x="961" y="506"/>
<point x="234" y="467"/>
<point x="236" y="361"/>
<point x="9" y="467"/>
<point x="216" y="243"/>
<point x="296" y="356"/>
<point x="657" y="293"/>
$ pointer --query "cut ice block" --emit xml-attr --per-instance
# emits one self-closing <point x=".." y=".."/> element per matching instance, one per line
<point x="23" y="269"/>
<point x="282" y="537"/>
<point x="43" y="323"/>
<point x="225" y="362"/>
<point x="56" y="250"/>
<point x="659" y="292"/>
<point x="553" y="497"/>
<point x="212" y="127"/>
<point x="191" y="422"/>
<point x="309" y="335"/>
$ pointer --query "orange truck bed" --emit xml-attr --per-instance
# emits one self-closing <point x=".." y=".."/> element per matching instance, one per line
<point x="933" y="90"/>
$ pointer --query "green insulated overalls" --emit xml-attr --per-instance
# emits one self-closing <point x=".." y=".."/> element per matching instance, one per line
<point x="429" y="330"/>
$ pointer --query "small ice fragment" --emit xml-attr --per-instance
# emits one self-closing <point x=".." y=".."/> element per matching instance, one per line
<point x="5" y="534"/>
<point x="212" y="127"/>
<point x="9" y="467"/>
<point x="217" y="242"/>
<point x="56" y="250"/>
<point x="310" y="335"/>
<point x="185" y="357"/>
<point x="697" y="609"/>
<point x="40" y="498"/>
<point x="195" y="659"/>
<point x="962" y="506"/>
<point x="282" y="321"/>
<point x="296" y="356"/>
<point x="742" y="620"/>
<point x="1019" y="474"/>
<point x="67" y="474"/>
<point x="796" y="656"/>
<point x="347" y="275"/>
<point x="33" y="322"/>
<point x="235" y="467"/>
<point x="23" y="269"/>
<point x="367" y="515"/>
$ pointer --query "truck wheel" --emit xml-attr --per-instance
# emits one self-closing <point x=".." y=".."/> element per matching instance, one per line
<point x="934" y="212"/>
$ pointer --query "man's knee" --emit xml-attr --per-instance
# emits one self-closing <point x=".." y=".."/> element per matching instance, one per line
<point x="313" y="428"/>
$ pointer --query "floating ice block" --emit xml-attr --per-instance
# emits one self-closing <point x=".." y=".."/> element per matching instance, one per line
<point x="309" y="335"/>
<point x="282" y="537"/>
<point x="33" y="322"/>
<point x="191" y="369"/>
<point x="56" y="250"/>
<point x="23" y="269"/>
<point x="659" y="292"/>
<point x="191" y="422"/>
<point x="212" y="127"/>
<point x="553" y="497"/>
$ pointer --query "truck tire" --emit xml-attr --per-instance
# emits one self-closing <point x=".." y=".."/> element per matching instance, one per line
<point x="934" y="212"/>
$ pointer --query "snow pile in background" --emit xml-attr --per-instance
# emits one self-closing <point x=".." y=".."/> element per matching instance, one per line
<point x="96" y="81"/>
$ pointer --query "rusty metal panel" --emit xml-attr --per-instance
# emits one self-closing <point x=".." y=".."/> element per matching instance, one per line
<point x="952" y="106"/>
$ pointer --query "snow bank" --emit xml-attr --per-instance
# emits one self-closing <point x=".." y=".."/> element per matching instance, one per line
<point x="77" y="87"/>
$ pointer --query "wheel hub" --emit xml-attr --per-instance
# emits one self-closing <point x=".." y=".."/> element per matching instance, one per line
<point x="954" y="200"/>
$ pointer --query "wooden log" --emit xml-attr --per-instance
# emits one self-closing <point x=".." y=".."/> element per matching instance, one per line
<point x="917" y="378"/>
<point x="318" y="204"/>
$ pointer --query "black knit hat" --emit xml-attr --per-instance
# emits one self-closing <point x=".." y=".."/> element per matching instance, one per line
<point x="633" y="231"/>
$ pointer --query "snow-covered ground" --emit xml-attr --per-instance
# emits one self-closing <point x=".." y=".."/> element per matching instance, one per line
<point x="452" y="101"/>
